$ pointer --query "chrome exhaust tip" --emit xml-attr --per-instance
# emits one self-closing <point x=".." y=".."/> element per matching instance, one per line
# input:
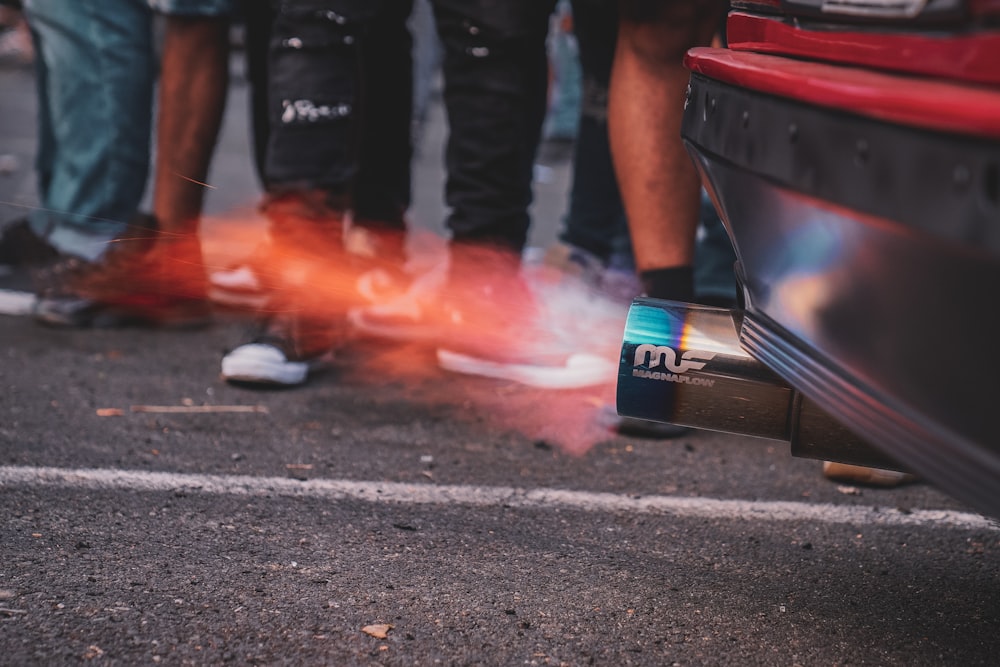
<point x="683" y="364"/>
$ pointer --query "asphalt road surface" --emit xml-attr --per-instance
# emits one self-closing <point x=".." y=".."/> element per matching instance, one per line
<point x="392" y="514"/>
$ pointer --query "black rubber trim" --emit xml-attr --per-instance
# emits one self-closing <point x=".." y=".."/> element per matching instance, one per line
<point x="946" y="185"/>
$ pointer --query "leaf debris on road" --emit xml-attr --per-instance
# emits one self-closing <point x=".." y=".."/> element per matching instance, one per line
<point x="377" y="630"/>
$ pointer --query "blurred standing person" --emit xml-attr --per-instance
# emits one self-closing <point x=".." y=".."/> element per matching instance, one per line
<point x="336" y="167"/>
<point x="95" y="74"/>
<point x="496" y="87"/>
<point x="484" y="319"/>
<point x="101" y="269"/>
<point x="660" y="186"/>
<point x="595" y="242"/>
<point x="194" y="83"/>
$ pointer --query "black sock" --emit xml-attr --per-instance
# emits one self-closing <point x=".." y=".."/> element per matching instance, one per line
<point x="675" y="283"/>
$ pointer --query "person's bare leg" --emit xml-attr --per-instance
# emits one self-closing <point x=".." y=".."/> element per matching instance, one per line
<point x="659" y="184"/>
<point x="194" y="80"/>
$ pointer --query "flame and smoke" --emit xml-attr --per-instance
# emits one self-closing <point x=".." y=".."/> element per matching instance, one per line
<point x="511" y="315"/>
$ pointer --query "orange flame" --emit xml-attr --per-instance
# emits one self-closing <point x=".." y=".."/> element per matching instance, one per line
<point x="502" y="310"/>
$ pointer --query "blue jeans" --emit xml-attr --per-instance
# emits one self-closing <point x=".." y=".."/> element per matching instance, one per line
<point x="95" y="76"/>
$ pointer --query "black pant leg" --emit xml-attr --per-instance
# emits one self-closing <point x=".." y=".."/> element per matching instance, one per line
<point x="382" y="186"/>
<point x="313" y="93"/>
<point x="496" y="78"/>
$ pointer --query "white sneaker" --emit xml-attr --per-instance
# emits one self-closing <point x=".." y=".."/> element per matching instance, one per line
<point x="284" y="351"/>
<point x="257" y="363"/>
<point x="579" y="370"/>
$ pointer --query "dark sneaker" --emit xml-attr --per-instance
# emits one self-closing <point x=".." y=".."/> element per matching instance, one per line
<point x="141" y="279"/>
<point x="484" y="320"/>
<point x="20" y="246"/>
<point x="284" y="351"/>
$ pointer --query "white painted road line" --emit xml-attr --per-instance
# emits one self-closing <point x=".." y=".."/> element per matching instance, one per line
<point x="486" y="496"/>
